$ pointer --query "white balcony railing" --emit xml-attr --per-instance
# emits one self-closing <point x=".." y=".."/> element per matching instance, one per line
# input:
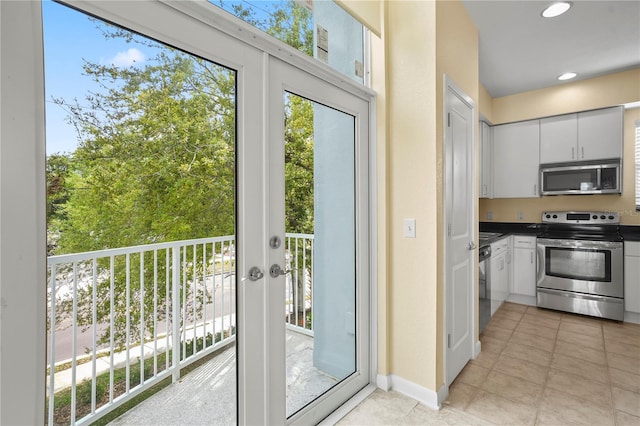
<point x="125" y="319"/>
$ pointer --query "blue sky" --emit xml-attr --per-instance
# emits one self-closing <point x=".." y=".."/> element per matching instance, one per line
<point x="70" y="37"/>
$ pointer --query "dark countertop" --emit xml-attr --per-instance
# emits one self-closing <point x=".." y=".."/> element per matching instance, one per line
<point x="629" y="233"/>
<point x="510" y="228"/>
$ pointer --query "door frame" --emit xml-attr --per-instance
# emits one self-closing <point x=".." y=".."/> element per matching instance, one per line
<point x="450" y="86"/>
<point x="23" y="62"/>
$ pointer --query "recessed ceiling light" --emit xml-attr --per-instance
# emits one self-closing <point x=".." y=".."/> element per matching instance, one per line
<point x="556" y="9"/>
<point x="567" y="76"/>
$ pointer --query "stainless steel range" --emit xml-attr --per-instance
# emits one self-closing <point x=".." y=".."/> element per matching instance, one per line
<point x="580" y="264"/>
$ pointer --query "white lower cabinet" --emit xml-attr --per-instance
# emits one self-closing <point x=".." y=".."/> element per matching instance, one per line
<point x="524" y="265"/>
<point x="500" y="272"/>
<point x="632" y="276"/>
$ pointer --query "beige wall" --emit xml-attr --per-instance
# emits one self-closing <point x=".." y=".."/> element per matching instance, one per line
<point x="411" y="106"/>
<point x="420" y="42"/>
<point x="613" y="89"/>
<point x="368" y="12"/>
<point x="599" y="92"/>
<point x="486" y="105"/>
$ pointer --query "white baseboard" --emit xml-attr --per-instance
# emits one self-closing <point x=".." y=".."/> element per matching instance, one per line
<point x="633" y="317"/>
<point x="522" y="299"/>
<point x="423" y="395"/>
<point x="383" y="382"/>
<point x="478" y="349"/>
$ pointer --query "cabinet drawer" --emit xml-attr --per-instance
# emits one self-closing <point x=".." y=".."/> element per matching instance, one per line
<point x="632" y="248"/>
<point x="499" y="246"/>
<point x="524" y="241"/>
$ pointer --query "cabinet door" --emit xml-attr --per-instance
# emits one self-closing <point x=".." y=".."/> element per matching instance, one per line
<point x="516" y="159"/>
<point x="600" y="134"/>
<point x="558" y="139"/>
<point x="486" y="184"/>
<point x="632" y="276"/>
<point x="524" y="271"/>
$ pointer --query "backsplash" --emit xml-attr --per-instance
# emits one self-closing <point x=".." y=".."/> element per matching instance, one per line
<point x="527" y="210"/>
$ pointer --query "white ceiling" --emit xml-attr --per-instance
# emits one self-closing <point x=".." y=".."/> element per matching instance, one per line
<point x="521" y="51"/>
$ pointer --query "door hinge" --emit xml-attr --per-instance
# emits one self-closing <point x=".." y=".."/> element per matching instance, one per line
<point x="448" y="119"/>
<point x="449" y="340"/>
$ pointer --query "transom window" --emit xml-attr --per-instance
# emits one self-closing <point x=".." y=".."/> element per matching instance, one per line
<point x="320" y="28"/>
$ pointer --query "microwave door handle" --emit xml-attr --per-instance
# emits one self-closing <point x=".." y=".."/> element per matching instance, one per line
<point x="598" y="178"/>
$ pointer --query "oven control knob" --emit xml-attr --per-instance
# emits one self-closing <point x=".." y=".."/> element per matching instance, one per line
<point x="548" y="216"/>
<point x="555" y="216"/>
<point x="603" y="217"/>
<point x="611" y="217"/>
<point x="595" y="216"/>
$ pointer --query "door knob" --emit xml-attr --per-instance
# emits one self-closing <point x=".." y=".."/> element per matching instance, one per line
<point x="254" y="274"/>
<point x="472" y="245"/>
<point x="275" y="242"/>
<point x="275" y="271"/>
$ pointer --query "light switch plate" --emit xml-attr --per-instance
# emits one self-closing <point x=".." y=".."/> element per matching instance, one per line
<point x="409" y="228"/>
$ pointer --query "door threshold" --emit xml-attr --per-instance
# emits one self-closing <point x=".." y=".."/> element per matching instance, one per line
<point x="348" y="406"/>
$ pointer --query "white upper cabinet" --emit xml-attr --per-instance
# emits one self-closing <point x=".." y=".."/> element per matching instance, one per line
<point x="559" y="139"/>
<point x="585" y="136"/>
<point x="516" y="160"/>
<point x="486" y="181"/>
<point x="600" y="134"/>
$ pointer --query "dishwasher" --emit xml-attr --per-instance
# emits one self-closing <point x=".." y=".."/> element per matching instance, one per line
<point x="485" y="288"/>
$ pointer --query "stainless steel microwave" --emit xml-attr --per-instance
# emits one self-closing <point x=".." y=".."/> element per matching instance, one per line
<point x="593" y="177"/>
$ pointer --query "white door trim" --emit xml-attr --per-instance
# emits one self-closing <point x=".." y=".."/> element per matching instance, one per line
<point x="449" y="85"/>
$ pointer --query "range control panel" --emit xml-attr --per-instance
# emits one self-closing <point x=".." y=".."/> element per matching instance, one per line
<point x="585" y="218"/>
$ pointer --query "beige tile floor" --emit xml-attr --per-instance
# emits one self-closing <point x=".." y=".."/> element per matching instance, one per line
<point x="537" y="367"/>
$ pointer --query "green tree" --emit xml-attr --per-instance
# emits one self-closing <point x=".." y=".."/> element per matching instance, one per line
<point x="298" y="155"/>
<point x="156" y="163"/>
<point x="58" y="169"/>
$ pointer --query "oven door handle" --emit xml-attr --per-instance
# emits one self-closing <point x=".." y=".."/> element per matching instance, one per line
<point x="540" y="265"/>
<point x="581" y="244"/>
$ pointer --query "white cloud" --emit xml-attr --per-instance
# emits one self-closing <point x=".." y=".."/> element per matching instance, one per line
<point x="127" y="58"/>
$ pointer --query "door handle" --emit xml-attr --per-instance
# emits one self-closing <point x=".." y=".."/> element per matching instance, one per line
<point x="472" y="245"/>
<point x="254" y="274"/>
<point x="275" y="271"/>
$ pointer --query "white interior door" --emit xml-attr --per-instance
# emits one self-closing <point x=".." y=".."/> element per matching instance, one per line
<point x="459" y="214"/>
<point x="319" y="298"/>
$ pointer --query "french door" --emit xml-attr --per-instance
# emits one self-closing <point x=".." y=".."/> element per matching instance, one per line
<point x="301" y="254"/>
<point x="327" y="366"/>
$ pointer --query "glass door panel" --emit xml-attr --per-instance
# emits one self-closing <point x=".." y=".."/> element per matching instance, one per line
<point x="141" y="222"/>
<point x="320" y="252"/>
<point x="318" y="183"/>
